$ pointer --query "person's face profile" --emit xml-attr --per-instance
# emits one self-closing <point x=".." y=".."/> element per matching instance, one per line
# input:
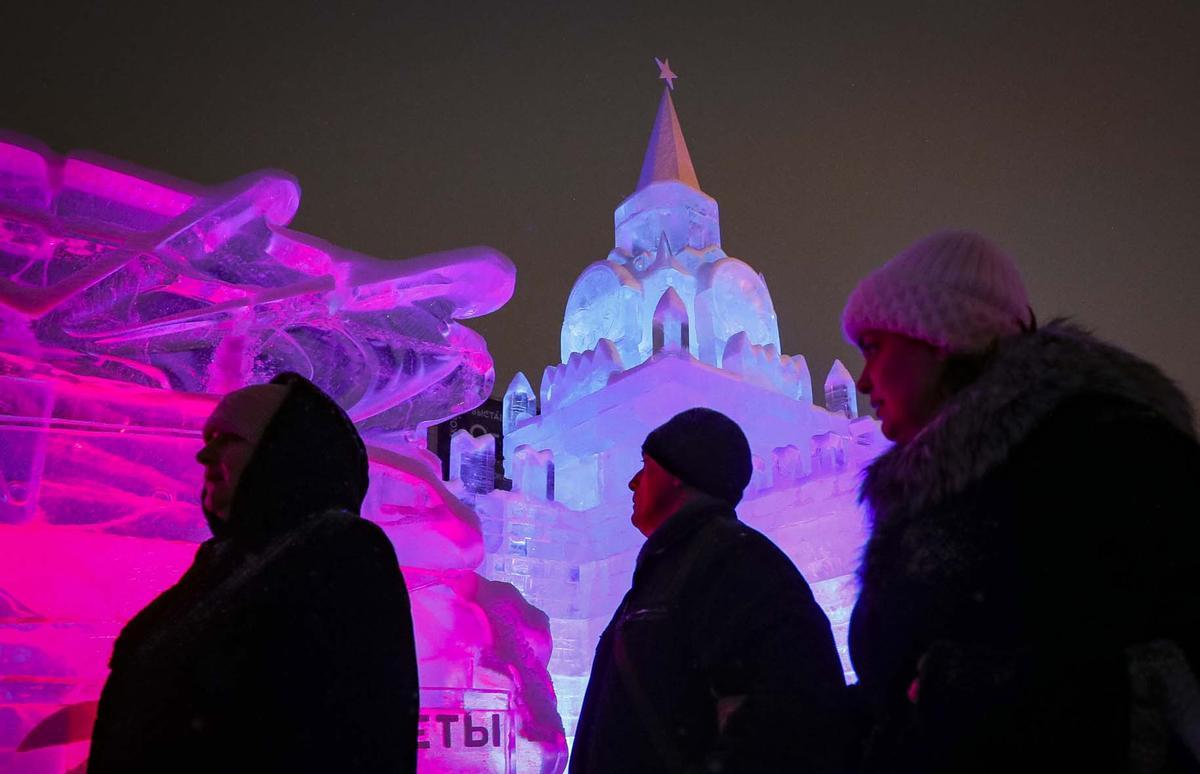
<point x="901" y="377"/>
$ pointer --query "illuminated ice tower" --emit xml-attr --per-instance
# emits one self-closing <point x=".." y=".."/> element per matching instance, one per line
<point x="667" y="272"/>
<point x="666" y="322"/>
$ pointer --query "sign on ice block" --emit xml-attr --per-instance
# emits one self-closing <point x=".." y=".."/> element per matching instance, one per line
<point x="465" y="730"/>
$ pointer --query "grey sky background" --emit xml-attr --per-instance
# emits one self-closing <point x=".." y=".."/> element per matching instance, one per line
<point x="831" y="134"/>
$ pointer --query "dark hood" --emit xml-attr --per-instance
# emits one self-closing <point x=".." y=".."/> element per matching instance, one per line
<point x="310" y="459"/>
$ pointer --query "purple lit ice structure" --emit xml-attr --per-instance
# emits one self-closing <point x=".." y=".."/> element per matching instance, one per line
<point x="128" y="303"/>
<point x="666" y="321"/>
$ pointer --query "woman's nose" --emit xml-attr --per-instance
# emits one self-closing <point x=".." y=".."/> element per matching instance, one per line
<point x="863" y="384"/>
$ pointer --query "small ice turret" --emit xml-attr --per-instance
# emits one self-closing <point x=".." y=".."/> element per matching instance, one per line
<point x="803" y="378"/>
<point x="764" y="366"/>
<point x="533" y="472"/>
<point x="520" y="402"/>
<point x="828" y="452"/>
<point x="841" y="396"/>
<point x="788" y="465"/>
<point x="671" y="323"/>
<point x="473" y="460"/>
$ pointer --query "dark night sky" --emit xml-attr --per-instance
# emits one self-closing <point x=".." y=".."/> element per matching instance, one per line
<point x="831" y="136"/>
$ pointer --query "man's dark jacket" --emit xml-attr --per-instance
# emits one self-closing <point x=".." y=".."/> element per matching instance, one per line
<point x="1031" y="588"/>
<point x="287" y="646"/>
<point x="716" y="611"/>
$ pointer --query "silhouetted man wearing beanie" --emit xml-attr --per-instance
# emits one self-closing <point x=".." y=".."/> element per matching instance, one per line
<point x="718" y="659"/>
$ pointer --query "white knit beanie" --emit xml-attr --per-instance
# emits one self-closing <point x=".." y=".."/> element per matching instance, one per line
<point x="952" y="289"/>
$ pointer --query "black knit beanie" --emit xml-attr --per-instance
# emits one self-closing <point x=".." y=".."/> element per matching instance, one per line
<point x="704" y="449"/>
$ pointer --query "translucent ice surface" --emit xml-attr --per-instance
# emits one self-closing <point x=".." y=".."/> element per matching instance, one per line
<point x="840" y="392"/>
<point x="163" y="284"/>
<point x="520" y="402"/>
<point x="473" y="461"/>
<point x="128" y="303"/>
<point x="667" y="246"/>
<point x="666" y="322"/>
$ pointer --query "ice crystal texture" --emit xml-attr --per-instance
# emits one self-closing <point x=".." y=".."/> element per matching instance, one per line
<point x="128" y="303"/>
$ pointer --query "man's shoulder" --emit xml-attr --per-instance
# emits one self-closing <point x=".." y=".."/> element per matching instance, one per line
<point x="751" y="541"/>
<point x="742" y="550"/>
<point x="746" y="579"/>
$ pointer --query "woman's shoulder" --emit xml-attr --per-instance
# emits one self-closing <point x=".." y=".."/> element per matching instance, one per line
<point x="1099" y="426"/>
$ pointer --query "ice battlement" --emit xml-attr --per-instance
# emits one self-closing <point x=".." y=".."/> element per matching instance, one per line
<point x="765" y="367"/>
<point x="582" y="374"/>
<point x="595" y="436"/>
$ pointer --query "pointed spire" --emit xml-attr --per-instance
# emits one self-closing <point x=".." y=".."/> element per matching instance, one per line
<point x="664" y="249"/>
<point x="667" y="156"/>
<point x="662" y="255"/>
<point x="520" y="403"/>
<point x="841" y="394"/>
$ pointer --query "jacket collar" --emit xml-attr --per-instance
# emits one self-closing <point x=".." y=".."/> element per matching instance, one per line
<point x="682" y="525"/>
<point x="1030" y="376"/>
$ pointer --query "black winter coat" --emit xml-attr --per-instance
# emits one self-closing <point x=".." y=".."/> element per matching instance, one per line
<point x="287" y="646"/>
<point x="716" y="612"/>
<point x="1031" y="592"/>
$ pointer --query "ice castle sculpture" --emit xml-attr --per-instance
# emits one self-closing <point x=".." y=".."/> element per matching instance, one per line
<point x="666" y="322"/>
<point x="128" y="302"/>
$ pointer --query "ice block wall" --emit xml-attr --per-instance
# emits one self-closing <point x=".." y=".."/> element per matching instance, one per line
<point x="571" y="548"/>
<point x="129" y="302"/>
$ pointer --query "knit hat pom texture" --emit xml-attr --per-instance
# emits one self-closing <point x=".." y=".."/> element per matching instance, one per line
<point x="953" y="289"/>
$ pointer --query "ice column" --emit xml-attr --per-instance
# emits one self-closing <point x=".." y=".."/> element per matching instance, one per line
<point x="473" y="460"/>
<point x="803" y="379"/>
<point x="520" y="402"/>
<point x="533" y="472"/>
<point x="828" y="452"/>
<point x="841" y="396"/>
<point x="788" y="465"/>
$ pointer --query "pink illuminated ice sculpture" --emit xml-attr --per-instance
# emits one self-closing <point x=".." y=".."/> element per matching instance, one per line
<point x="129" y="302"/>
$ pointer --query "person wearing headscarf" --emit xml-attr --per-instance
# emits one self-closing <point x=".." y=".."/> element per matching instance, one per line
<point x="287" y="646"/>
<point x="1029" y="589"/>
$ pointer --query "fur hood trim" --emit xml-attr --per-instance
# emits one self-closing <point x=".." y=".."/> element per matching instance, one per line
<point x="1031" y="374"/>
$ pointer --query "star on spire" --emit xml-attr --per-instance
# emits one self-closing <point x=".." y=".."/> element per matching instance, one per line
<point x="664" y="72"/>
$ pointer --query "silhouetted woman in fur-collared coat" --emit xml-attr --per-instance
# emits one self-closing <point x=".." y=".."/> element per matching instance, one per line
<point x="1030" y="589"/>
